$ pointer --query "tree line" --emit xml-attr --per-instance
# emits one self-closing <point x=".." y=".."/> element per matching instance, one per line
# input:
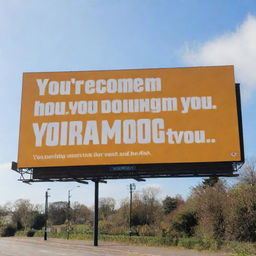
<point x="214" y="210"/>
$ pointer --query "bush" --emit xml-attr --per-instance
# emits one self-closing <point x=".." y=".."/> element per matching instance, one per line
<point x="146" y="230"/>
<point x="189" y="243"/>
<point x="184" y="223"/>
<point x="243" y="249"/>
<point x="19" y="225"/>
<point x="241" y="214"/>
<point x="30" y="233"/>
<point x="209" y="244"/>
<point x="110" y="228"/>
<point x="8" y="231"/>
<point x="200" y="244"/>
<point x="38" y="221"/>
<point x="105" y="227"/>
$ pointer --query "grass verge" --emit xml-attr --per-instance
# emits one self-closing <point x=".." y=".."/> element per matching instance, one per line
<point x="236" y="248"/>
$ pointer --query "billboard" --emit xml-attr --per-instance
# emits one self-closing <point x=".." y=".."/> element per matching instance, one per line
<point x="122" y="117"/>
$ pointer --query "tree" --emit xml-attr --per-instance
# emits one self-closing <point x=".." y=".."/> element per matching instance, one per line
<point x="248" y="173"/>
<point x="38" y="221"/>
<point x="3" y="211"/>
<point x="80" y="213"/>
<point x="169" y="204"/>
<point x="151" y="204"/>
<point x="58" y="212"/>
<point x="241" y="205"/>
<point x="146" y="208"/>
<point x="185" y="223"/>
<point x="23" y="213"/>
<point x="106" y="207"/>
<point x="209" y="202"/>
<point x="121" y="216"/>
<point x="210" y="182"/>
<point x="241" y="213"/>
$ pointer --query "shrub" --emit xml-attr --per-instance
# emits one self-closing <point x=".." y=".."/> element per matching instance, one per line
<point x="243" y="249"/>
<point x="146" y="230"/>
<point x="241" y="212"/>
<point x="19" y="225"/>
<point x="110" y="228"/>
<point x="189" y="243"/>
<point x="200" y="244"/>
<point x="169" y="204"/>
<point x="38" y="221"/>
<point x="184" y="223"/>
<point x="30" y="233"/>
<point x="9" y="230"/>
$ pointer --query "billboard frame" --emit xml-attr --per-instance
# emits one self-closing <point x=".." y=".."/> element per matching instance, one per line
<point x="139" y="171"/>
<point x="52" y="165"/>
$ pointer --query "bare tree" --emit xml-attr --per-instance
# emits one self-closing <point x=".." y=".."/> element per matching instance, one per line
<point x="23" y="213"/>
<point x="80" y="213"/>
<point x="209" y="203"/>
<point x="248" y="172"/>
<point x="58" y="212"/>
<point x="106" y="207"/>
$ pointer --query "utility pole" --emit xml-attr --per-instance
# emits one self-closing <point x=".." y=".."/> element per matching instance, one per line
<point x="132" y="189"/>
<point x="46" y="213"/>
<point x="68" y="213"/>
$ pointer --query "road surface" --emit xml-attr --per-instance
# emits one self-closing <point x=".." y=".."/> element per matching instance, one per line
<point x="14" y="246"/>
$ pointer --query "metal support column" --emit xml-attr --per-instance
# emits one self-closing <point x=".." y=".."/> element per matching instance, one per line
<point x="130" y="215"/>
<point x="96" y="212"/>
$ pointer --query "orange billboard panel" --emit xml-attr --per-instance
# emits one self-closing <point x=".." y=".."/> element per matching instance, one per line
<point x="146" y="116"/>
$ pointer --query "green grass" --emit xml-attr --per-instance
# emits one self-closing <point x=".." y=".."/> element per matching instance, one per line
<point x="139" y="240"/>
<point x="236" y="248"/>
<point x="241" y="249"/>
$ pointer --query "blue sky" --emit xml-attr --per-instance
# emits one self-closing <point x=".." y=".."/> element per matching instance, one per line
<point x="55" y="35"/>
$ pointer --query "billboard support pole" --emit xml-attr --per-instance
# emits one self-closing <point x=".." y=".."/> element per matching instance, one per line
<point x="96" y="212"/>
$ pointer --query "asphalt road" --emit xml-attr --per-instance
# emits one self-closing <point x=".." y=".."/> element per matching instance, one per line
<point x="58" y="247"/>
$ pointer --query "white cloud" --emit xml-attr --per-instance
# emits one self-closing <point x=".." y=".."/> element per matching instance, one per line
<point x="153" y="185"/>
<point x="237" y="48"/>
<point x="4" y="166"/>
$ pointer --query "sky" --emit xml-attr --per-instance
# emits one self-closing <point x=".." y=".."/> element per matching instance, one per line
<point x="54" y="35"/>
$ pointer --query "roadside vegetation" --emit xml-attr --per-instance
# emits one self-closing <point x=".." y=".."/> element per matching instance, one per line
<point x="216" y="216"/>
